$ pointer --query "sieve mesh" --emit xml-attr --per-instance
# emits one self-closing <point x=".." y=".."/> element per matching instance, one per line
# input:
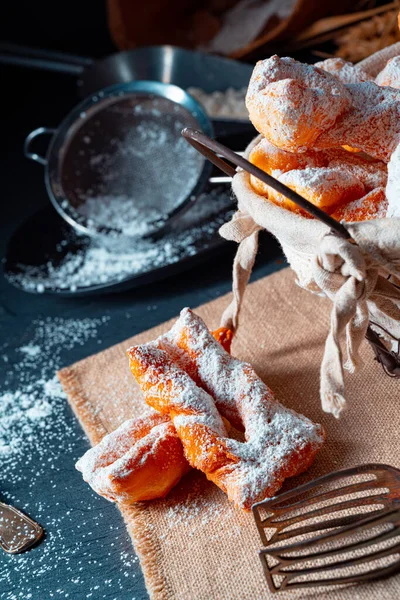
<point x="125" y="166"/>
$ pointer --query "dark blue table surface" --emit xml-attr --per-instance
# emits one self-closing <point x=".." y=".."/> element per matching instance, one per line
<point x="86" y="552"/>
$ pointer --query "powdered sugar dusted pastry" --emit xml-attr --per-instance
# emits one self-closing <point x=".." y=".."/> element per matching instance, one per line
<point x="393" y="184"/>
<point x="291" y="103"/>
<point x="372" y="124"/>
<point x="344" y="70"/>
<point x="327" y="187"/>
<point x="327" y="178"/>
<point x="371" y="172"/>
<point x="272" y="159"/>
<point x="186" y="374"/>
<point x="141" y="460"/>
<point x="298" y="107"/>
<point x="390" y="75"/>
<point x="371" y="206"/>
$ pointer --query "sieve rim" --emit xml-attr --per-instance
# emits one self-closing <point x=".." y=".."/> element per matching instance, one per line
<point x="71" y="125"/>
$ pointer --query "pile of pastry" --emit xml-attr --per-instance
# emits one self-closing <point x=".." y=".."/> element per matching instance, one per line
<point x="329" y="131"/>
<point x="201" y="396"/>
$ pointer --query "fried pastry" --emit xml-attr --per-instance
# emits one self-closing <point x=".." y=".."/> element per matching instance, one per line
<point x="327" y="178"/>
<point x="291" y="103"/>
<point x="371" y="206"/>
<point x="390" y="75"/>
<point x="186" y="374"/>
<point x="298" y="107"/>
<point x="141" y="460"/>
<point x="346" y="71"/>
<point x="224" y="336"/>
<point x="326" y="187"/>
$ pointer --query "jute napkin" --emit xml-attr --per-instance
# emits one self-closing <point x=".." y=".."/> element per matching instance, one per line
<point x="194" y="545"/>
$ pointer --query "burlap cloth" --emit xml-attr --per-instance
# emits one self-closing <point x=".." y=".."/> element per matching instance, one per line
<point x="194" y="545"/>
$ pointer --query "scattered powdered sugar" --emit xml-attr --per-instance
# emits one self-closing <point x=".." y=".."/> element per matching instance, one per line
<point x="197" y="510"/>
<point x="121" y="213"/>
<point x="229" y="104"/>
<point x="108" y="260"/>
<point x="38" y="440"/>
<point x="32" y="350"/>
<point x="29" y="409"/>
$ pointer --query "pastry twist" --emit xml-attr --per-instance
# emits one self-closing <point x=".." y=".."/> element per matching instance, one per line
<point x="141" y="460"/>
<point x="187" y="375"/>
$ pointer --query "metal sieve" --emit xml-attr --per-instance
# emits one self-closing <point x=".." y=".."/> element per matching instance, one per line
<point x="118" y="165"/>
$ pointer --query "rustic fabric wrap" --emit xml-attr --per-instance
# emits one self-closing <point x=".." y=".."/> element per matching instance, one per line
<point x="352" y="276"/>
<point x="194" y="545"/>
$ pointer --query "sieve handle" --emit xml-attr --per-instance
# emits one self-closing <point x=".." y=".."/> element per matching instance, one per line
<point x="44" y="60"/>
<point x="221" y="178"/>
<point x="29" y="139"/>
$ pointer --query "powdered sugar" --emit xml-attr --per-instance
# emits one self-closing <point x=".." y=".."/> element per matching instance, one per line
<point x="32" y="350"/>
<point x="122" y="213"/>
<point x="31" y="407"/>
<point x="37" y="449"/>
<point x="130" y="156"/>
<point x="108" y="260"/>
<point x="228" y="104"/>
<point x="371" y="173"/>
<point x="372" y="124"/>
<point x="196" y="510"/>
<point x="393" y="184"/>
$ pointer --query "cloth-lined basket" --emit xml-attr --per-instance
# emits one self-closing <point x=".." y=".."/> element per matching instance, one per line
<point x="362" y="279"/>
